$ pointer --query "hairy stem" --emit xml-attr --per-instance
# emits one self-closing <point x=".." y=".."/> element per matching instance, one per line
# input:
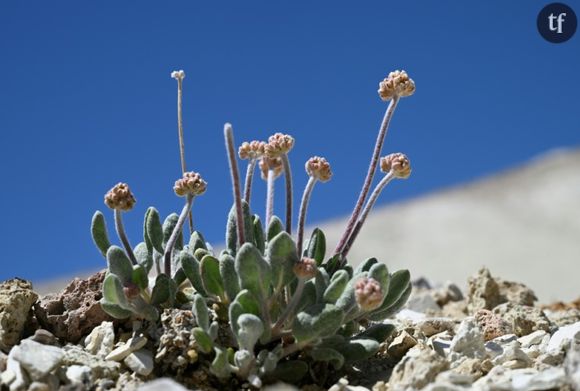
<point x="370" y="174"/>
<point x="270" y="197"/>
<point x="175" y="234"/>
<point x="249" y="178"/>
<point x="229" y="136"/>
<point x="123" y="236"/>
<point x="302" y="214"/>
<point x="288" y="350"/>
<point x="181" y="142"/>
<point x="288" y="178"/>
<point x="277" y="328"/>
<point x="369" y="205"/>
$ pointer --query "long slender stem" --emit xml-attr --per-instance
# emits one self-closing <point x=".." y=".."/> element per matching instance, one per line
<point x="289" y="309"/>
<point x="302" y="214"/>
<point x="270" y="196"/>
<point x="181" y="138"/>
<point x="175" y="234"/>
<point x="288" y="180"/>
<point x="369" y="205"/>
<point x="370" y="174"/>
<point x="123" y="236"/>
<point x="249" y="178"/>
<point x="229" y="136"/>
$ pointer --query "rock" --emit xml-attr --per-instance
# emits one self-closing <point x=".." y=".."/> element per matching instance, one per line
<point x="432" y="326"/>
<point x="38" y="386"/>
<point x="440" y="343"/>
<point x="75" y="311"/>
<point x="38" y="360"/>
<point x="516" y="293"/>
<point x="473" y="367"/>
<point x="17" y="378"/>
<point x="452" y="377"/>
<point x="79" y="374"/>
<point x="164" y="384"/>
<point x="562" y="337"/>
<point x="551" y="378"/>
<point x="7" y="377"/>
<point x="523" y="319"/>
<point x="572" y="363"/>
<point x="101" y="340"/>
<point x="401" y="344"/>
<point x="3" y="360"/>
<point x="418" y="368"/>
<point x="482" y="292"/>
<point x="422" y="302"/>
<point x="341" y="385"/>
<point x="100" y="368"/>
<point x="468" y="340"/>
<point x="564" y="317"/>
<point x="534" y="338"/>
<point x="406" y="315"/>
<point x="448" y="293"/>
<point x="44" y="337"/>
<point x="177" y="346"/>
<point x="512" y="356"/>
<point x="132" y="345"/>
<point x="16" y="300"/>
<point x="140" y="362"/>
<point x="492" y="325"/>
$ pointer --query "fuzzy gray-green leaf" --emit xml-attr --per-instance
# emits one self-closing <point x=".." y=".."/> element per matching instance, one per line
<point x="227" y="266"/>
<point x="114" y="310"/>
<point x="338" y="283"/>
<point x="203" y="340"/>
<point x="290" y="371"/>
<point x="196" y="240"/>
<point x="380" y="273"/>
<point x="358" y="349"/>
<point x="399" y="282"/>
<point x="253" y="271"/>
<point x="154" y="229"/>
<point x="168" y="227"/>
<point x="378" y="331"/>
<point x="99" y="233"/>
<point x="119" y="264"/>
<point x="144" y="257"/>
<point x="250" y="328"/>
<point x="259" y="237"/>
<point x="113" y="291"/>
<point x="282" y="256"/>
<point x="328" y="355"/>
<point x="201" y="312"/>
<point x="316" y="246"/>
<point x="162" y="290"/>
<point x="274" y="227"/>
<point x="220" y="366"/>
<point x="231" y="228"/>
<point x="317" y="321"/>
<point x="191" y="269"/>
<point x="365" y="265"/>
<point x="210" y="275"/>
<point x="140" y="277"/>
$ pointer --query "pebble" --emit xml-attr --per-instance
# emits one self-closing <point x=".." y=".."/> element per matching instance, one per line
<point x="16" y="299"/>
<point x="572" y="363"/>
<point x="534" y="338"/>
<point x="101" y="340"/>
<point x="44" y="337"/>
<point x="140" y="362"/>
<point x="422" y="302"/>
<point x="512" y="356"/>
<point x="418" y="368"/>
<point x="37" y="359"/>
<point x="492" y="325"/>
<point x="38" y="386"/>
<point x="18" y="379"/>
<point x="78" y="374"/>
<point x="551" y="378"/>
<point x="401" y="344"/>
<point x="164" y="384"/>
<point x="409" y="316"/>
<point x="523" y="319"/>
<point x="468" y="340"/>
<point x="562" y="337"/>
<point x="127" y="348"/>
<point x="432" y="326"/>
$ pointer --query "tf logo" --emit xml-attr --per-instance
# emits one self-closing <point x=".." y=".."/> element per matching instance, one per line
<point x="557" y="22"/>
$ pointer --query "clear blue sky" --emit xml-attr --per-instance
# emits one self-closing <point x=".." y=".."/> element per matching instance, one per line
<point x="86" y="101"/>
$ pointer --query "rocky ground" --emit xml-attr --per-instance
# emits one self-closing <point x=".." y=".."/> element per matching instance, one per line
<point x="492" y="337"/>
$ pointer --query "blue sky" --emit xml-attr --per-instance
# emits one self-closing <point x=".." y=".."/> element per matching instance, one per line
<point x="86" y="101"/>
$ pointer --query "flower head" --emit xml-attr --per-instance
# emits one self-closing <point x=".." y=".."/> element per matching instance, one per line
<point x="397" y="83"/>
<point x="305" y="268"/>
<point x="252" y="150"/>
<point x="368" y="294"/>
<point x="267" y="164"/>
<point x="319" y="168"/>
<point x="120" y="197"/>
<point x="191" y="183"/>
<point x="398" y="164"/>
<point x="178" y="75"/>
<point x="278" y="145"/>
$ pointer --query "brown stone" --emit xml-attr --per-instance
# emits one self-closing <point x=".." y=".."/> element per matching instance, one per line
<point x="492" y="325"/>
<point x="16" y="300"/>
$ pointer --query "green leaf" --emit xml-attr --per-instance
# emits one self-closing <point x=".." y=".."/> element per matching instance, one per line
<point x="250" y="328"/>
<point x="347" y="300"/>
<point x="248" y="302"/>
<point x="290" y="371"/>
<point x="380" y="273"/>
<point x="154" y="230"/>
<point x="144" y="257"/>
<point x="282" y="256"/>
<point x="253" y="271"/>
<point x="235" y="310"/>
<point x="168" y="227"/>
<point x="358" y="349"/>
<point x="191" y="269"/>
<point x="99" y="233"/>
<point x="259" y="238"/>
<point x="337" y="285"/>
<point x="140" y="277"/>
<point x="201" y="312"/>
<point x="399" y="282"/>
<point x="119" y="264"/>
<point x="113" y="291"/>
<point x="274" y="228"/>
<point x="114" y="310"/>
<point x="162" y="290"/>
<point x="196" y="240"/>
<point x="317" y="321"/>
<point x="321" y="282"/>
<point x="229" y="276"/>
<point x="316" y="246"/>
<point x="308" y="297"/>
<point x="210" y="275"/>
<point x="328" y="355"/>
<point x="203" y="340"/>
<point x="378" y="331"/>
<point x="365" y="266"/>
<point x="232" y="230"/>
<point x="220" y="366"/>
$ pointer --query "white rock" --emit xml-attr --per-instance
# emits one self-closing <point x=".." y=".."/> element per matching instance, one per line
<point x="572" y="363"/>
<point x="37" y="359"/>
<point x="562" y="337"/>
<point x="468" y="340"/>
<point x="551" y="378"/>
<point x="454" y="378"/>
<point x="78" y="374"/>
<point x="101" y="340"/>
<point x="422" y="302"/>
<point x="140" y="362"/>
<point x="440" y="343"/>
<point x="512" y="356"/>
<point x="164" y="384"/>
<point x="532" y="339"/>
<point x="38" y="386"/>
<point x="410" y="316"/>
<point x="127" y="348"/>
<point x="20" y="380"/>
<point x="7" y="377"/>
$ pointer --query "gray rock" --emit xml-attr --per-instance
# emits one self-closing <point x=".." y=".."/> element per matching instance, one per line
<point x="100" y="368"/>
<point x="401" y="344"/>
<point x="448" y="293"/>
<point x="101" y="340"/>
<point x="132" y="345"/>
<point x="3" y="360"/>
<point x="516" y="293"/>
<point x="406" y="315"/>
<point x="78" y="374"/>
<point x="19" y="379"/>
<point x="512" y="356"/>
<point x="534" y="338"/>
<point x="422" y="302"/>
<point x="164" y="384"/>
<point x="418" y="368"/>
<point x="572" y="363"/>
<point x="523" y="319"/>
<point x="440" y="342"/>
<point x="16" y="300"/>
<point x="551" y="378"/>
<point x="44" y="337"/>
<point x="38" y="386"/>
<point x="452" y="377"/>
<point x="432" y="326"/>
<point x="468" y="340"/>
<point x="562" y="337"/>
<point x="482" y="292"/>
<point x="140" y="362"/>
<point x="38" y="360"/>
